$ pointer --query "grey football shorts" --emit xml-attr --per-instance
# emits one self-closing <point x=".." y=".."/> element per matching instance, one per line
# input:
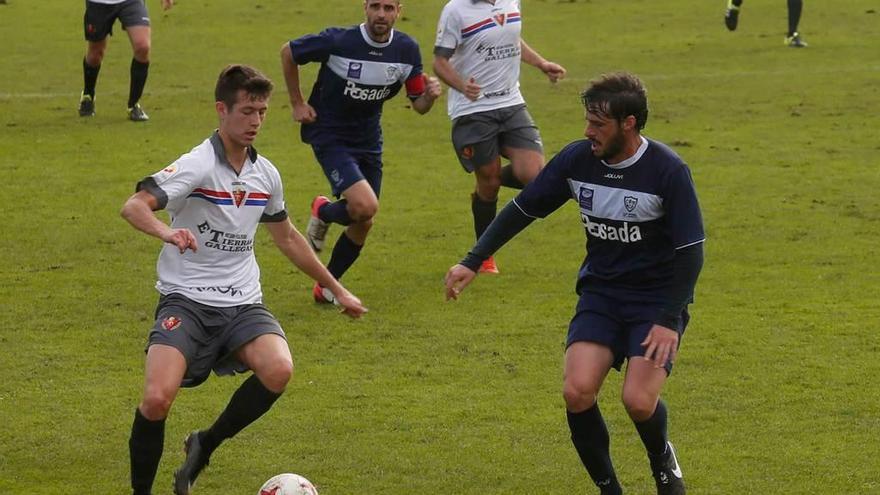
<point x="478" y="138"/>
<point x="99" y="17"/>
<point x="209" y="336"/>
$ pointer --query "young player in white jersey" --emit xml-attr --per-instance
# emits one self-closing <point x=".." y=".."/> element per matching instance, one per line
<point x="98" y="24"/>
<point x="477" y="52"/>
<point x="210" y="313"/>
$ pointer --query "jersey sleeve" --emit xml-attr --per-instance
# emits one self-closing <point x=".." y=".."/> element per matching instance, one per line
<point x="448" y="29"/>
<point x="550" y="189"/>
<point x="683" y="209"/>
<point x="275" y="210"/>
<point x="313" y="47"/>
<point x="175" y="182"/>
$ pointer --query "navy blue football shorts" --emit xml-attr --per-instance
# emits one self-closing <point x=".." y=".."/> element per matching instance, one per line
<point x="619" y="322"/>
<point x="209" y="336"/>
<point x="343" y="167"/>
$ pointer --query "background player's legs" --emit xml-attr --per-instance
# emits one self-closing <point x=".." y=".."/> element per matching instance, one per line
<point x="91" y="67"/>
<point x="794" y="15"/>
<point x="731" y="15"/>
<point x="484" y="203"/>
<point x="361" y="205"/>
<point x="586" y="366"/>
<point x="140" y="37"/>
<point x="165" y="368"/>
<point x="524" y="165"/>
<point x="641" y="396"/>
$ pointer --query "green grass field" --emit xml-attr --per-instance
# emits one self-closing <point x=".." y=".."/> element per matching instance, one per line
<point x="776" y="388"/>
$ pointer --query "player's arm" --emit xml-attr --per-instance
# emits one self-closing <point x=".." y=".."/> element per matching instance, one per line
<point x="553" y="70"/>
<point x="302" y="111"/>
<point x="138" y="211"/>
<point x="447" y="73"/>
<point x="427" y="88"/>
<point x="292" y="243"/>
<point x="509" y="222"/>
<point x="662" y="341"/>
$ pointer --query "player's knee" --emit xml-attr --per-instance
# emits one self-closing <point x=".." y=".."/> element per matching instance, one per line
<point x="155" y="404"/>
<point x="141" y="51"/>
<point x="277" y="374"/>
<point x="639" y="405"/>
<point x="578" y="396"/>
<point x="363" y="211"/>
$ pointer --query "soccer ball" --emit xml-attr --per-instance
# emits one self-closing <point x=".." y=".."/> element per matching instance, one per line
<point x="288" y="484"/>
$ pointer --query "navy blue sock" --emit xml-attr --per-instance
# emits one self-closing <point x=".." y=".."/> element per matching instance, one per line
<point x="345" y="252"/>
<point x="590" y="438"/>
<point x="139" y="71"/>
<point x="335" y="212"/>
<point x="484" y="213"/>
<point x="653" y="431"/>
<point x="794" y="15"/>
<point x="90" y="78"/>
<point x="145" y="449"/>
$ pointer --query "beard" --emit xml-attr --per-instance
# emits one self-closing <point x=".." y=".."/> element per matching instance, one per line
<point x="613" y="146"/>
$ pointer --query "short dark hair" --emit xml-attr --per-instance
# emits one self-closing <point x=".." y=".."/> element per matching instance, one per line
<point x="617" y="96"/>
<point x="235" y="77"/>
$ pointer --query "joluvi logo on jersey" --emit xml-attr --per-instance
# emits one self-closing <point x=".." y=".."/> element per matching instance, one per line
<point x="585" y="198"/>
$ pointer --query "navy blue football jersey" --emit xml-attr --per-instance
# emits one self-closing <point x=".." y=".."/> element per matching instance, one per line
<point x="635" y="213"/>
<point x="357" y="75"/>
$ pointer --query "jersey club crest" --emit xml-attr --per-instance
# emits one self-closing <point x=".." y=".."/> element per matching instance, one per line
<point x="500" y="18"/>
<point x="238" y="193"/>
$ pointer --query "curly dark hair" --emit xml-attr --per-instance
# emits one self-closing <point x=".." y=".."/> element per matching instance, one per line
<point x="617" y="96"/>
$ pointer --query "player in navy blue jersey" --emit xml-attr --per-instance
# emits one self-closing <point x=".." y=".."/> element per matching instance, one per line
<point x="361" y="68"/>
<point x="645" y="235"/>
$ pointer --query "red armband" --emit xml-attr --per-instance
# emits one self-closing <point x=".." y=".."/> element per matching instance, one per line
<point x="415" y="86"/>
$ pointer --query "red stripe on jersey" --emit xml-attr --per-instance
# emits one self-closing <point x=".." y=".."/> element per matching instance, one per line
<point x="258" y="195"/>
<point x="415" y="86"/>
<point x="475" y="26"/>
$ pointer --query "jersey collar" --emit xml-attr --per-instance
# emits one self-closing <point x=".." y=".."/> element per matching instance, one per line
<point x="220" y="151"/>
<point x="631" y="160"/>
<point x="370" y="41"/>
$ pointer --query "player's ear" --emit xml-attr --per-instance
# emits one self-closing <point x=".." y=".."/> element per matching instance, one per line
<point x="221" y="108"/>
<point x="629" y="123"/>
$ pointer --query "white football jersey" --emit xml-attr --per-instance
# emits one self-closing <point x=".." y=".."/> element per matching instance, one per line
<point x="202" y="193"/>
<point x="486" y="40"/>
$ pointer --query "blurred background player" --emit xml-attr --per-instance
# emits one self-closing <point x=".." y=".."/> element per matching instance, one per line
<point x="98" y="24"/>
<point x="361" y="68"/>
<point x="478" y="53"/>
<point x="792" y="39"/>
<point x="210" y="313"/>
<point x="645" y="236"/>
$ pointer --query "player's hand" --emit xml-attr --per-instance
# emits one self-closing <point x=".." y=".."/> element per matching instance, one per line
<point x="167" y="4"/>
<point x="350" y="305"/>
<point x="553" y="70"/>
<point x="472" y="90"/>
<point x="182" y="238"/>
<point x="661" y="345"/>
<point x="457" y="278"/>
<point x="304" y="113"/>
<point x="432" y="87"/>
